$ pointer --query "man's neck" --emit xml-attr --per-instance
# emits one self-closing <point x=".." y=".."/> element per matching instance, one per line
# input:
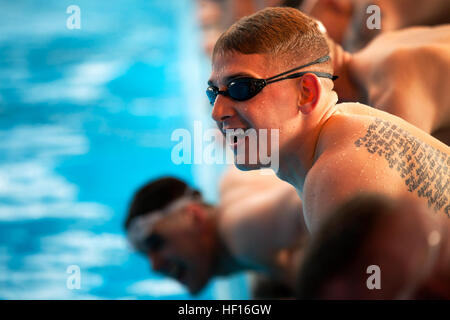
<point x="295" y="165"/>
<point x="346" y="85"/>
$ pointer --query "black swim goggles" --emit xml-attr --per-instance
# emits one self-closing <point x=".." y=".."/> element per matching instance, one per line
<point x="245" y="88"/>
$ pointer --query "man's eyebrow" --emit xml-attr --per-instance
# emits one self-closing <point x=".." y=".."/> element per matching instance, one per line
<point x="232" y="77"/>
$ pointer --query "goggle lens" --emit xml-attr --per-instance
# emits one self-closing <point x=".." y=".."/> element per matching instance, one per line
<point x="240" y="89"/>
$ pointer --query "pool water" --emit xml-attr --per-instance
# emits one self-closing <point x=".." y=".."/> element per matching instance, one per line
<point x="85" y="118"/>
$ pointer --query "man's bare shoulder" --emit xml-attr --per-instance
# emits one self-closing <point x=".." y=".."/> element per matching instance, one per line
<point x="253" y="205"/>
<point x="351" y="119"/>
<point x="355" y="125"/>
<point x="428" y="60"/>
<point x="404" y="74"/>
<point x="390" y="44"/>
<point x="236" y="185"/>
<point x="263" y="205"/>
<point x="401" y="53"/>
<point x="342" y="171"/>
<point x="364" y="151"/>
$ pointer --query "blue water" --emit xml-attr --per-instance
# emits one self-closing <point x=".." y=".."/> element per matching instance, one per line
<point x="85" y="118"/>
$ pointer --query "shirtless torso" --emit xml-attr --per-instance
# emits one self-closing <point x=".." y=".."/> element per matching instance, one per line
<point x="407" y="73"/>
<point x="362" y="149"/>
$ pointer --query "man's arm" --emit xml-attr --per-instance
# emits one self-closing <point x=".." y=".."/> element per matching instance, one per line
<point x="405" y="85"/>
<point x="338" y="177"/>
<point x="260" y="215"/>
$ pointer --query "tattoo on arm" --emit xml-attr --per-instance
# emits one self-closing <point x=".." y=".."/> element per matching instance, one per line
<point x="424" y="169"/>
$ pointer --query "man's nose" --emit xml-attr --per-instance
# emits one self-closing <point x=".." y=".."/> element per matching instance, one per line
<point x="222" y="109"/>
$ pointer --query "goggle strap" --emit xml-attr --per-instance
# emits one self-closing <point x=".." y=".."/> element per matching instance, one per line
<point x="299" y="74"/>
<point x="320" y="60"/>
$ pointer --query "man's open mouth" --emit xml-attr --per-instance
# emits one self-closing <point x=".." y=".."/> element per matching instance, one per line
<point x="234" y="136"/>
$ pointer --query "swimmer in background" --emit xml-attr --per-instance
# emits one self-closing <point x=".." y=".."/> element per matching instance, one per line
<point x="271" y="70"/>
<point x="405" y="73"/>
<point x="346" y="20"/>
<point x="407" y="246"/>
<point x="257" y="225"/>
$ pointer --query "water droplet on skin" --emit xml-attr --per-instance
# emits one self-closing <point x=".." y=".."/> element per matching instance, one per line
<point x="434" y="238"/>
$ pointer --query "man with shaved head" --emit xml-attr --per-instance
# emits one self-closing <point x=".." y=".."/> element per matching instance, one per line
<point x="272" y="71"/>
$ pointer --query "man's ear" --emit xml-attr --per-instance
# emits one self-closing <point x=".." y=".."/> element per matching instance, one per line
<point x="310" y="91"/>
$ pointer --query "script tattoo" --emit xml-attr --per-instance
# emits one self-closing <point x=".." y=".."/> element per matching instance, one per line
<point x="425" y="170"/>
